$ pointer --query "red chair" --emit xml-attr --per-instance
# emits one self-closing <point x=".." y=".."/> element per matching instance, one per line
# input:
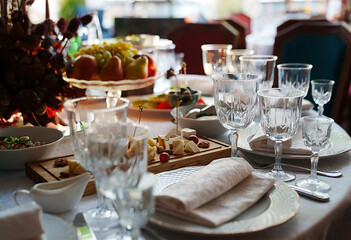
<point x="189" y="37"/>
<point x="243" y="20"/>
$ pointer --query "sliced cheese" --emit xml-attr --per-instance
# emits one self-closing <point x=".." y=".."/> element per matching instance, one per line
<point x="162" y="141"/>
<point x="151" y="153"/>
<point x="186" y="132"/>
<point x="170" y="141"/>
<point x="178" y="147"/>
<point x="152" y="142"/>
<point x="72" y="164"/>
<point x="78" y="170"/>
<point x="191" y="147"/>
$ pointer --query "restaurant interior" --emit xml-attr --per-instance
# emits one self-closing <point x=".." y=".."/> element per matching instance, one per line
<point x="175" y="119"/>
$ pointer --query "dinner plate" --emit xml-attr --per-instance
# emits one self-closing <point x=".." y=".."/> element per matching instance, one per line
<point x="148" y="111"/>
<point x="57" y="229"/>
<point x="279" y="205"/>
<point x="339" y="139"/>
<point x="196" y="82"/>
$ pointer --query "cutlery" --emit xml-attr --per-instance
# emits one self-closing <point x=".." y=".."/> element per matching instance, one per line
<point x="324" y="197"/>
<point x="82" y="227"/>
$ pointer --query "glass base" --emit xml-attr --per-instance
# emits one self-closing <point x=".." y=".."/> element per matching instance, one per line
<point x="282" y="176"/>
<point x="313" y="185"/>
<point x="101" y="220"/>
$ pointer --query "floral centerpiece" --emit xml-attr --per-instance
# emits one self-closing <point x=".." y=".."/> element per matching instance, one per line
<point x="32" y="62"/>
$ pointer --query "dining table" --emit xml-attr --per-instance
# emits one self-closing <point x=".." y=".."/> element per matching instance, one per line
<point x="314" y="219"/>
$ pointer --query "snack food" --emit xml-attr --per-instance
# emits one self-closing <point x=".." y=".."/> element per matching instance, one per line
<point x="17" y="142"/>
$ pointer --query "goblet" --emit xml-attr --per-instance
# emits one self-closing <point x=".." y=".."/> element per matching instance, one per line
<point x="280" y="116"/>
<point x="316" y="133"/>
<point x="118" y="153"/>
<point x="261" y="65"/>
<point x="322" y="92"/>
<point x="235" y="99"/>
<point x="82" y="113"/>
<point x="294" y="75"/>
<point x="233" y="62"/>
<point x="214" y="58"/>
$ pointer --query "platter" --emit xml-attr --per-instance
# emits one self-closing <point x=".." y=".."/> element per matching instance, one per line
<point x="339" y="139"/>
<point x="279" y="205"/>
<point x="146" y="110"/>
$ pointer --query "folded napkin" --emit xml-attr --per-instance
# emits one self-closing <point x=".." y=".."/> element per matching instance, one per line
<point x="215" y="194"/>
<point x="21" y="222"/>
<point x="296" y="146"/>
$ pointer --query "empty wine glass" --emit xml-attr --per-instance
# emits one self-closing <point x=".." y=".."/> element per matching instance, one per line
<point x="82" y="113"/>
<point x="316" y="133"/>
<point x="261" y="65"/>
<point x="322" y="92"/>
<point x="235" y="99"/>
<point x="294" y="75"/>
<point x="280" y="116"/>
<point x="233" y="61"/>
<point x="214" y="58"/>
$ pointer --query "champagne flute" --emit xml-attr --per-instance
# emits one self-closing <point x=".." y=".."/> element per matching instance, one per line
<point x="280" y="116"/>
<point x="235" y="100"/>
<point x="214" y="58"/>
<point x="322" y="92"/>
<point x="316" y="133"/>
<point x="82" y="113"/>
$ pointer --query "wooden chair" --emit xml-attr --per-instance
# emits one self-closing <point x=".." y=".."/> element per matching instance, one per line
<point x="327" y="46"/>
<point x="291" y="22"/>
<point x="189" y="37"/>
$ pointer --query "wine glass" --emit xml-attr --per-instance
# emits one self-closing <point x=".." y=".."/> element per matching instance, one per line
<point x="280" y="116"/>
<point x="294" y="75"/>
<point x="233" y="62"/>
<point x="214" y="58"/>
<point x="118" y="152"/>
<point x="82" y="113"/>
<point x="235" y="99"/>
<point x="261" y="65"/>
<point x="316" y="133"/>
<point x="322" y="92"/>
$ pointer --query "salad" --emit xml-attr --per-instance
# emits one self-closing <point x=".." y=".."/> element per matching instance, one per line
<point x="17" y="142"/>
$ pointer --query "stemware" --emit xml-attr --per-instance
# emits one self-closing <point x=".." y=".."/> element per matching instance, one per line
<point x="322" y="92"/>
<point x="261" y="65"/>
<point x="294" y="75"/>
<point x="316" y="133"/>
<point x="280" y="116"/>
<point x="118" y="152"/>
<point x="235" y="98"/>
<point x="214" y="58"/>
<point x="233" y="62"/>
<point x="82" y="113"/>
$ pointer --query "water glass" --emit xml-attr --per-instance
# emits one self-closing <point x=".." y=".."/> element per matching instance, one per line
<point x="316" y="133"/>
<point x="233" y="61"/>
<point x="214" y="58"/>
<point x="235" y="98"/>
<point x="82" y="114"/>
<point x="261" y="65"/>
<point x="280" y="116"/>
<point x="294" y="75"/>
<point x="322" y="92"/>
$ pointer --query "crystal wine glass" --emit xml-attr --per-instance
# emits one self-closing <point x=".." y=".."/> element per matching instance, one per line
<point x="280" y="116"/>
<point x="294" y="75"/>
<point x="82" y="113"/>
<point x="214" y="58"/>
<point x="316" y="133"/>
<point x="118" y="152"/>
<point x="233" y="64"/>
<point x="322" y="92"/>
<point x="235" y="99"/>
<point x="261" y="65"/>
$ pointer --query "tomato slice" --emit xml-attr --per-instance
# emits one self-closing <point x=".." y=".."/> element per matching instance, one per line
<point x="164" y="105"/>
<point x="200" y="101"/>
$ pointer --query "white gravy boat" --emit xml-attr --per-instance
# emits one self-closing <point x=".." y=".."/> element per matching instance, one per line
<point x="59" y="196"/>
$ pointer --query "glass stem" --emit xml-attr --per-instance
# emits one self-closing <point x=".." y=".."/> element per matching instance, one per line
<point x="278" y="147"/>
<point x="101" y="204"/>
<point x="234" y="143"/>
<point x="314" y="163"/>
<point x="320" y="110"/>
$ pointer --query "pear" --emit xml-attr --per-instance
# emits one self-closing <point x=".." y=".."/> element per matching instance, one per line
<point x="85" y="67"/>
<point x="112" y="70"/>
<point x="136" y="69"/>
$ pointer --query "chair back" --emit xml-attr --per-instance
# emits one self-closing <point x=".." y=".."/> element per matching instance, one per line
<point x="325" y="45"/>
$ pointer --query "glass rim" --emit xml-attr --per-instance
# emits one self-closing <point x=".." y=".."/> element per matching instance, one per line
<point x="299" y="93"/>
<point x="68" y="104"/>
<point x="291" y="66"/>
<point x="216" y="46"/>
<point x="257" y="58"/>
<point x="239" y="51"/>
<point x="322" y="81"/>
<point x="328" y="119"/>
<point x="217" y="76"/>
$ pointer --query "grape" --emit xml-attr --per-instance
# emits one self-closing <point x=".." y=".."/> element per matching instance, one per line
<point x="193" y="138"/>
<point x="164" y="157"/>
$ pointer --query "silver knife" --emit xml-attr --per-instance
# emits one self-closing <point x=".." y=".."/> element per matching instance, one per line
<point x="83" y="228"/>
<point x="324" y="197"/>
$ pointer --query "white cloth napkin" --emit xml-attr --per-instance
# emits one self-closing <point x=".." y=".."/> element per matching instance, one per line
<point x="215" y="194"/>
<point x="21" y="222"/>
<point x="296" y="146"/>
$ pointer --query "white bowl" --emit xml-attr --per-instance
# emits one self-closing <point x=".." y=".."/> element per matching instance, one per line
<point x="208" y="128"/>
<point x="14" y="159"/>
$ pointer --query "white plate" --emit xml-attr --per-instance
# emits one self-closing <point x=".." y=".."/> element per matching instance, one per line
<point x="339" y="139"/>
<point x="196" y="82"/>
<point x="279" y="205"/>
<point x="57" y="229"/>
<point x="148" y="111"/>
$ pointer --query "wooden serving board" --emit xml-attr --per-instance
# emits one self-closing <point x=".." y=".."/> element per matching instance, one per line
<point x="45" y="171"/>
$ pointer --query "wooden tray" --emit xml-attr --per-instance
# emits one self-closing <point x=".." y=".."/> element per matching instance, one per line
<point x="45" y="171"/>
